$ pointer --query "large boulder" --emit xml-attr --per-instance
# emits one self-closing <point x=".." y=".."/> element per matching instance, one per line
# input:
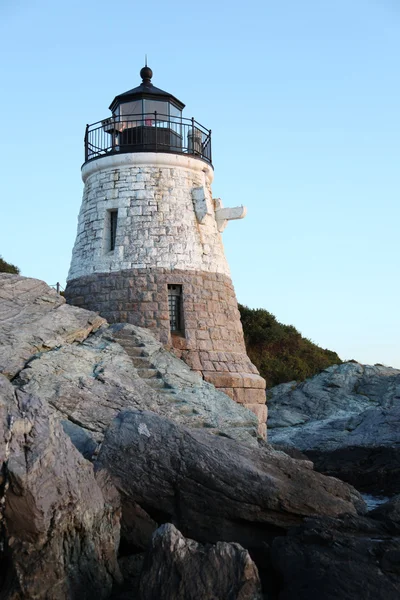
<point x="60" y="527"/>
<point x="347" y="421"/>
<point x="180" y="568"/>
<point x="213" y="488"/>
<point x="346" y="558"/>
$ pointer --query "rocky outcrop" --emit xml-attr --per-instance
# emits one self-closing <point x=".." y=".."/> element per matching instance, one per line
<point x="59" y="527"/>
<point x="180" y="568"/>
<point x="71" y="358"/>
<point x="35" y="319"/>
<point x="91" y="382"/>
<point x="210" y="487"/>
<point x="346" y="558"/>
<point x="347" y="421"/>
<point x="74" y="382"/>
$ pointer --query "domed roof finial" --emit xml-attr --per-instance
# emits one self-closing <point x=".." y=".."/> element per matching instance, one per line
<point x="146" y="73"/>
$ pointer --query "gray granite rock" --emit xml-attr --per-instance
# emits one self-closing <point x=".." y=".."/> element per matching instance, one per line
<point x="388" y="514"/>
<point x="89" y="383"/>
<point x="80" y="437"/>
<point x="347" y="420"/>
<point x="344" y="558"/>
<point x="34" y="318"/>
<point x="180" y="568"/>
<point x="213" y="488"/>
<point x="59" y="527"/>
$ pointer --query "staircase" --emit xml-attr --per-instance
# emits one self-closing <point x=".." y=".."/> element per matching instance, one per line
<point x="142" y="363"/>
<point x="190" y="401"/>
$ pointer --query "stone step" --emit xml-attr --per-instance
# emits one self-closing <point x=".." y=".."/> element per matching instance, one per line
<point x="134" y="351"/>
<point x="124" y="334"/>
<point x="140" y="362"/>
<point x="129" y="344"/>
<point x="147" y="373"/>
<point x="156" y="383"/>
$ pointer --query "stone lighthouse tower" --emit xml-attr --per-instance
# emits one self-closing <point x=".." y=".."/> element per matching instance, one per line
<point x="149" y="249"/>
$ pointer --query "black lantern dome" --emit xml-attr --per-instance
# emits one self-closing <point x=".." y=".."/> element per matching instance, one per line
<point x="147" y="119"/>
<point x="146" y="99"/>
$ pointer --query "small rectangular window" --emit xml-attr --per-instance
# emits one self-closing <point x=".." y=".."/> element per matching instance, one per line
<point x="113" y="228"/>
<point x="175" y="308"/>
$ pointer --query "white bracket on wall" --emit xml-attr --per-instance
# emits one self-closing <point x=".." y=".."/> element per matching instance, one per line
<point x="223" y="215"/>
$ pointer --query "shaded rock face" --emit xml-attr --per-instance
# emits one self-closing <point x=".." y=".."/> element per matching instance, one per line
<point x="59" y="534"/>
<point x="71" y="358"/>
<point x="213" y="488"/>
<point x="180" y="568"/>
<point x="347" y="558"/>
<point x="389" y="515"/>
<point x="347" y="421"/>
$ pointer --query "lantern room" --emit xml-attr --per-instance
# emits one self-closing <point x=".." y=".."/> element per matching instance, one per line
<point x="147" y="119"/>
<point x="146" y="100"/>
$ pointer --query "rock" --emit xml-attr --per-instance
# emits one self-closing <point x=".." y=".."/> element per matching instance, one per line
<point x="346" y="558"/>
<point x="34" y="318"/>
<point x="60" y="529"/>
<point x="374" y="469"/>
<point x="211" y="487"/>
<point x="388" y="514"/>
<point x="52" y="351"/>
<point x="292" y="452"/>
<point x="131" y="567"/>
<point x="80" y="438"/>
<point x="91" y="382"/>
<point x="347" y="421"/>
<point x="88" y="384"/>
<point x="180" y="568"/>
<point x="196" y="402"/>
<point x="137" y="527"/>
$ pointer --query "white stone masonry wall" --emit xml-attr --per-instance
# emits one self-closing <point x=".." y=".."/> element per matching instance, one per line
<point x="166" y="216"/>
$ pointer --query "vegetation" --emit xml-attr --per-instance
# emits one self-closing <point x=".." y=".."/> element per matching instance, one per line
<point x="279" y="351"/>
<point x="6" y="267"/>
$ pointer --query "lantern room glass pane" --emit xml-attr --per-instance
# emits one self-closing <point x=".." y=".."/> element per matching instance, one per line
<point x="131" y="108"/>
<point x="174" y="111"/>
<point x="151" y="106"/>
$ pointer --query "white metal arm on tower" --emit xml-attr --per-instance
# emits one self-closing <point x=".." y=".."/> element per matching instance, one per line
<point x="223" y="215"/>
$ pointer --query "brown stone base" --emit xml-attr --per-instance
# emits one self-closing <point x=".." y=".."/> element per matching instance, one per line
<point x="212" y="340"/>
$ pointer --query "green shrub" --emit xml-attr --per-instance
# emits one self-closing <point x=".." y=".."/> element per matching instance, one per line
<point x="6" y="267"/>
<point x="279" y="351"/>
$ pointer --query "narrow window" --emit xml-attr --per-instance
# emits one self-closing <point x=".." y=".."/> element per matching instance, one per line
<point x="175" y="308"/>
<point x="113" y="228"/>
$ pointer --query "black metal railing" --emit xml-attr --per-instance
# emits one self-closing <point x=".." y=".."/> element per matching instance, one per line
<point x="151" y="132"/>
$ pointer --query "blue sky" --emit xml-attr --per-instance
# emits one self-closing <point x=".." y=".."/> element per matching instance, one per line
<point x="303" y="102"/>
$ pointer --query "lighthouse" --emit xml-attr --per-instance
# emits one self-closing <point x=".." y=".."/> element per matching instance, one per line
<point x="149" y="249"/>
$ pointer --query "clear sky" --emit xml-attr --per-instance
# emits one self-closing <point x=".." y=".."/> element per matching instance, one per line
<point x="303" y="101"/>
